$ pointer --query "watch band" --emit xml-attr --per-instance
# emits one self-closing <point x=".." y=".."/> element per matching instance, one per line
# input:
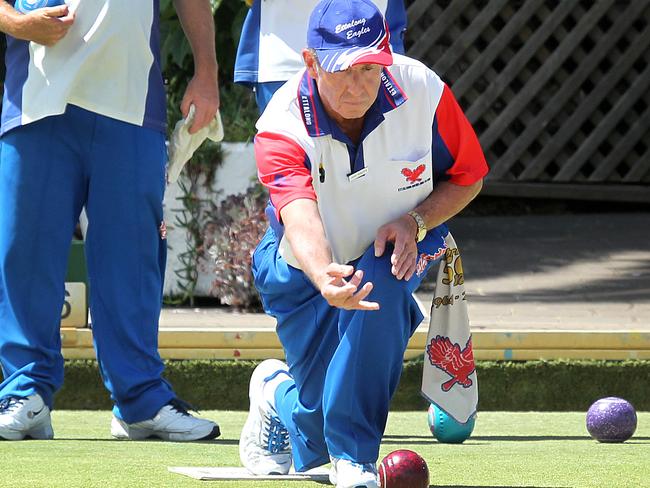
<point x="422" y="227"/>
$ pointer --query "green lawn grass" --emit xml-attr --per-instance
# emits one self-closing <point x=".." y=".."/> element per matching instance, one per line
<point x="507" y="450"/>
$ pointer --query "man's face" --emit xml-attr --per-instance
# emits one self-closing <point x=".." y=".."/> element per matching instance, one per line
<point x="350" y="93"/>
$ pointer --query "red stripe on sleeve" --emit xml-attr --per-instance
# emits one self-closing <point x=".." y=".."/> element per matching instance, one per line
<point x="283" y="168"/>
<point x="461" y="141"/>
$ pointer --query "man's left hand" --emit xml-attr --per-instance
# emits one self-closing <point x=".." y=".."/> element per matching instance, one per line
<point x="401" y="232"/>
<point x="203" y="92"/>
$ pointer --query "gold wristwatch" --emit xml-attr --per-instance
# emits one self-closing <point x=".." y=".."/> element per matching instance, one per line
<point x="422" y="228"/>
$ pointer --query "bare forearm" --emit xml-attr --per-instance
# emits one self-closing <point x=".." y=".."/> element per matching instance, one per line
<point x="339" y="284"/>
<point x="304" y="230"/>
<point x="198" y="25"/>
<point x="445" y="201"/>
<point x="9" y="18"/>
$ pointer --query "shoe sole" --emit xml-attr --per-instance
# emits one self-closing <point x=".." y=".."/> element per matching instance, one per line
<point x="40" y="433"/>
<point x="124" y="432"/>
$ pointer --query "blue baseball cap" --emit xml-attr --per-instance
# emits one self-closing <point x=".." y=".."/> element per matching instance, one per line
<point x="348" y="32"/>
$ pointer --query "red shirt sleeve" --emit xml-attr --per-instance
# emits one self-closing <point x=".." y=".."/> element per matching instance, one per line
<point x="284" y="168"/>
<point x="455" y="134"/>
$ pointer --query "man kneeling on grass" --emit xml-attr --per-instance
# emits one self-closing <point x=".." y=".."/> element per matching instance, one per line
<point x="365" y="154"/>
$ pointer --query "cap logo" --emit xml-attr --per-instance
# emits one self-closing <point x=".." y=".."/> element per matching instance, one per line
<point x="359" y="33"/>
<point x="341" y="27"/>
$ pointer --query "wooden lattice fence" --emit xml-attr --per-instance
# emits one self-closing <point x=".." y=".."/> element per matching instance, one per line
<point x="559" y="91"/>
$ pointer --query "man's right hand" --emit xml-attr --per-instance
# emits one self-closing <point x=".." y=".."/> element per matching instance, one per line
<point x="346" y="294"/>
<point x="46" y="26"/>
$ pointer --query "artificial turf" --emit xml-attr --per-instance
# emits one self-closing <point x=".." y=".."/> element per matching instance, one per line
<point x="532" y="450"/>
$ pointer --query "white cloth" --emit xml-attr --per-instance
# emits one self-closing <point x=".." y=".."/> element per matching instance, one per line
<point x="182" y="144"/>
<point x="449" y="373"/>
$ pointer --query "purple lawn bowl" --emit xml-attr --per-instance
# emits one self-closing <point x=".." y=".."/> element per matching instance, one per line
<point x="611" y="419"/>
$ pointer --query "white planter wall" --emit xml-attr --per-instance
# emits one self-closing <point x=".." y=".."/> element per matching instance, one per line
<point x="234" y="176"/>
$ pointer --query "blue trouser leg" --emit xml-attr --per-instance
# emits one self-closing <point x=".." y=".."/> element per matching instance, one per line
<point x="126" y="264"/>
<point x="345" y="364"/>
<point x="41" y="194"/>
<point x="365" y="369"/>
<point x="305" y="331"/>
<point x="117" y="171"/>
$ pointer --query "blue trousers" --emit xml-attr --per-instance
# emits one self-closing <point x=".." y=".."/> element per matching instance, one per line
<point x="49" y="170"/>
<point x="345" y="365"/>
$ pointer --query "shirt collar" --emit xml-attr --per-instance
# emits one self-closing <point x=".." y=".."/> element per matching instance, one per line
<point x="318" y="123"/>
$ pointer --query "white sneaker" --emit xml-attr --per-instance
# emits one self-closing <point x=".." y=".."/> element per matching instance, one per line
<point x="27" y="417"/>
<point x="348" y="474"/>
<point x="264" y="443"/>
<point x="172" y="423"/>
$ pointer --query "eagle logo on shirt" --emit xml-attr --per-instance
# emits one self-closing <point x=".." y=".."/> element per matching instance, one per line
<point x="413" y="175"/>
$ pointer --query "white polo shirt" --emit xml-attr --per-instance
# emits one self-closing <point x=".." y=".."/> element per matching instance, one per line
<point x="415" y="135"/>
<point x="275" y="33"/>
<point x="107" y="63"/>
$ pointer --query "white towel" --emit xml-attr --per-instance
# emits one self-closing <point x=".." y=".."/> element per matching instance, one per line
<point x="182" y="144"/>
<point x="449" y="373"/>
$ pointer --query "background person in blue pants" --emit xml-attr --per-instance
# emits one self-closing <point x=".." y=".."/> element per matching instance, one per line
<point x="365" y="154"/>
<point x="83" y="124"/>
<point x="273" y="36"/>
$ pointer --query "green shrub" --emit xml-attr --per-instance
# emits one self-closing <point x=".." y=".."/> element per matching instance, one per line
<point x="238" y="112"/>
<point x="503" y="385"/>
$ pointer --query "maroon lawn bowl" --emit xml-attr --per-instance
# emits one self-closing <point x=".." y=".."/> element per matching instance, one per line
<point x="403" y="469"/>
<point x="611" y="419"/>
